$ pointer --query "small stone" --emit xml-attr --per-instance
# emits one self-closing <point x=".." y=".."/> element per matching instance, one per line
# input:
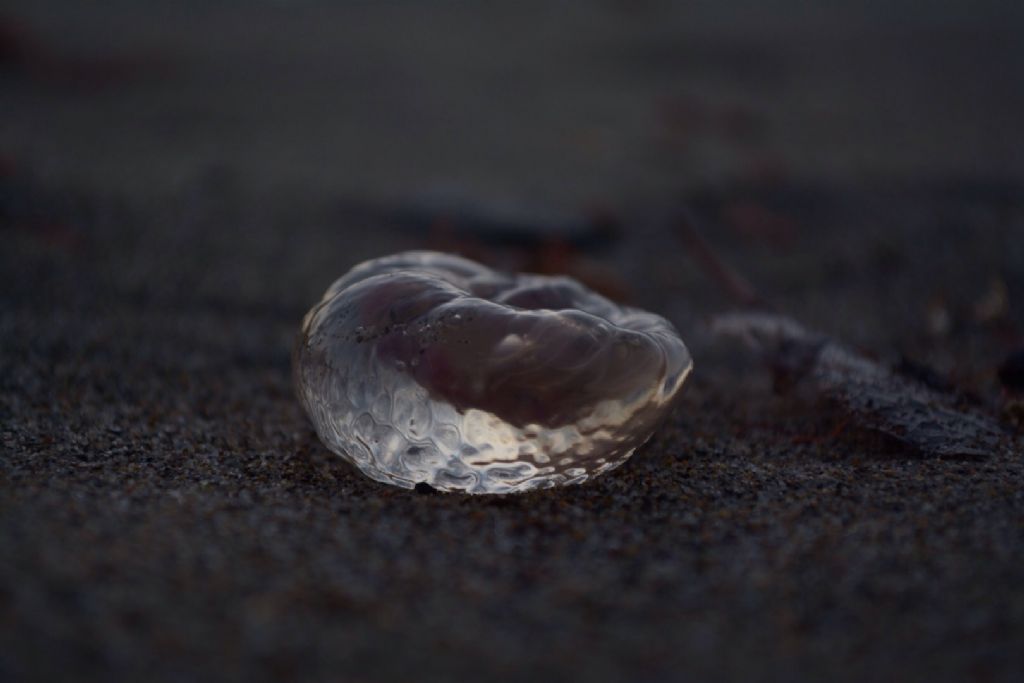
<point x="1011" y="371"/>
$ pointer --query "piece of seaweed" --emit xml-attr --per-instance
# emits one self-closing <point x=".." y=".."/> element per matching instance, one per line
<point x="873" y="396"/>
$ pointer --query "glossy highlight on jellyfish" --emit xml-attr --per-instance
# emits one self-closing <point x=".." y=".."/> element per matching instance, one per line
<point x="428" y="367"/>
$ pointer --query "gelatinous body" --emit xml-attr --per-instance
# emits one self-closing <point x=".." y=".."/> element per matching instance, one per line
<point x="427" y="367"/>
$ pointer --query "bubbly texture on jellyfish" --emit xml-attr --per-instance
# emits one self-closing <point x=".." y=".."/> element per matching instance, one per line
<point x="428" y="367"/>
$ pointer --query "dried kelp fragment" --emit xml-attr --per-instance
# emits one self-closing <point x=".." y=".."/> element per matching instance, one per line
<point x="875" y="397"/>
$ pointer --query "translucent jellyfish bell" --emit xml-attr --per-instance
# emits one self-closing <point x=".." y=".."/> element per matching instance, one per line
<point x="427" y="367"/>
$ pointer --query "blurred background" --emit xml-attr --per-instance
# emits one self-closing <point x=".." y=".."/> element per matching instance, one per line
<point x="793" y="129"/>
<point x="564" y="101"/>
<point x="179" y="182"/>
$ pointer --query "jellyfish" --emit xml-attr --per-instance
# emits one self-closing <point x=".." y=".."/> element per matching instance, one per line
<point x="428" y="368"/>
